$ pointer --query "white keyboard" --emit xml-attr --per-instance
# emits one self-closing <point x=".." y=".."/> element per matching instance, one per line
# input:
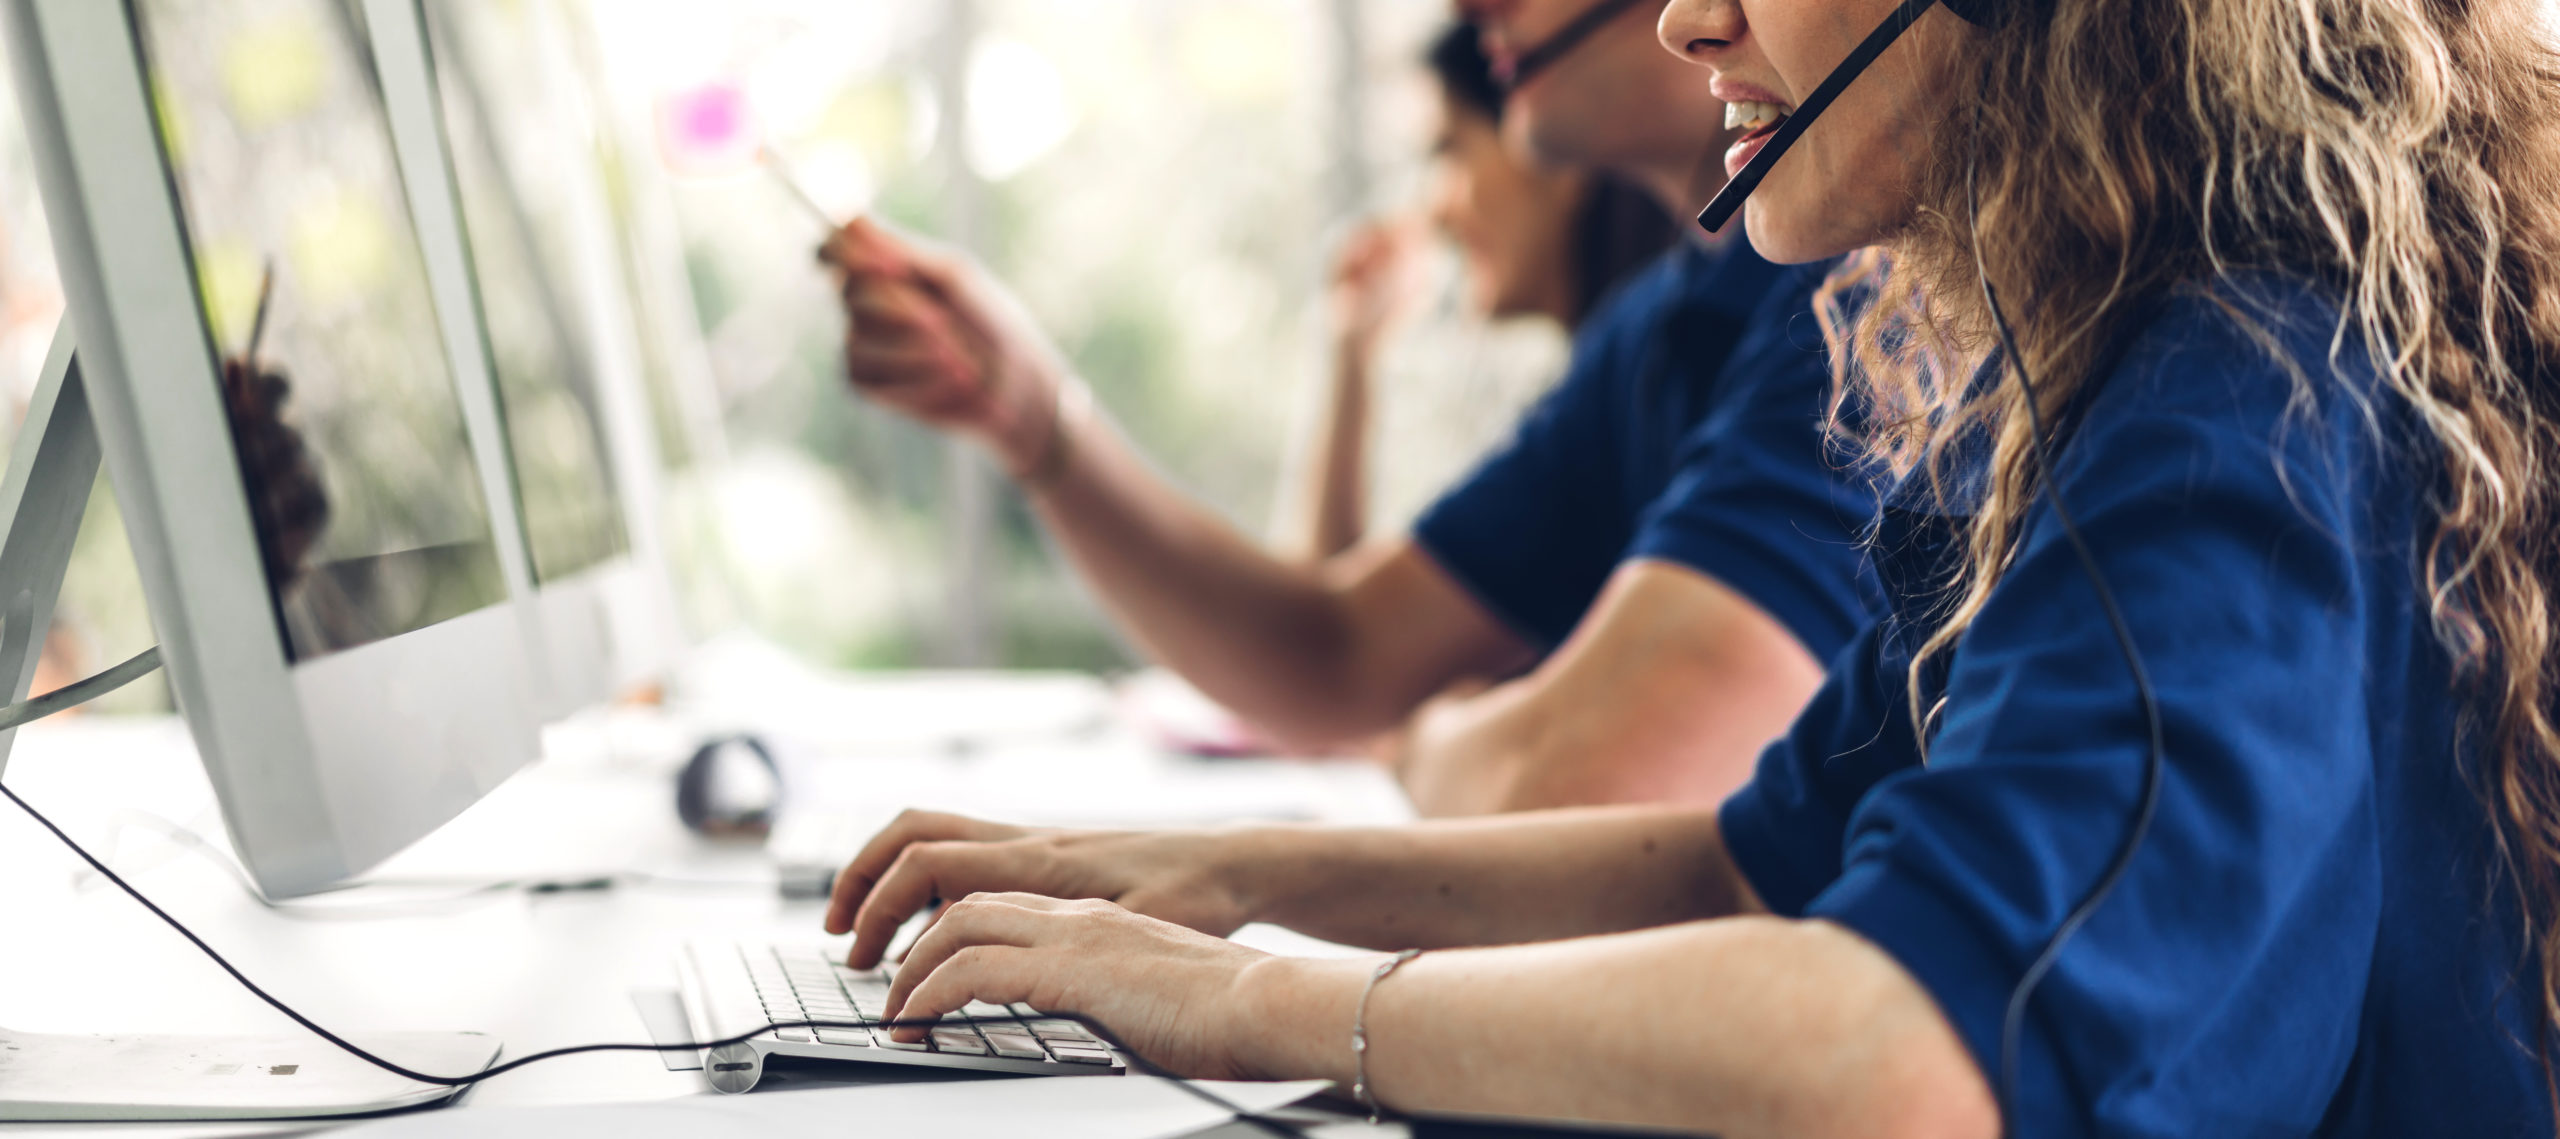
<point x="731" y="989"/>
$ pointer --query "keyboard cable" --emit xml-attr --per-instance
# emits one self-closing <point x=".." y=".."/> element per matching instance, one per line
<point x="82" y="691"/>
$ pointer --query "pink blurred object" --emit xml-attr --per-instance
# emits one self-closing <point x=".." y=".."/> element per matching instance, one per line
<point x="1168" y="709"/>
<point x="707" y="131"/>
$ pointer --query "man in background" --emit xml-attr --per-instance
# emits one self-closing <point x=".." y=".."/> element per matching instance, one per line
<point x="1624" y="603"/>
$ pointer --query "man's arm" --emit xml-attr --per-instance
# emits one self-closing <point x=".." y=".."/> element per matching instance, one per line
<point x="1315" y="654"/>
<point x="1666" y="693"/>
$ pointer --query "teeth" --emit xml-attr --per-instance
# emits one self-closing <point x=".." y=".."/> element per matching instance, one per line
<point x="1753" y="116"/>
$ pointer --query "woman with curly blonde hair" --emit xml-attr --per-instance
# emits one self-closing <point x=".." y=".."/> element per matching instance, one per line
<point x="2203" y="778"/>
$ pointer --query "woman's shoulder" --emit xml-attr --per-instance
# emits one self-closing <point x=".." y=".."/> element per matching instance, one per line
<point x="2257" y="352"/>
<point x="2255" y="378"/>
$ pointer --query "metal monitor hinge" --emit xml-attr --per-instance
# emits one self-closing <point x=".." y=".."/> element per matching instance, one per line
<point x="52" y="469"/>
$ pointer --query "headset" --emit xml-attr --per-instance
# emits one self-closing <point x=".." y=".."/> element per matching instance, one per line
<point x="1562" y="42"/>
<point x="1993" y="14"/>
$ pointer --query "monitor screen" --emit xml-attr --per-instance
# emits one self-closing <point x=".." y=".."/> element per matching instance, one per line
<point x="517" y="178"/>
<point x="348" y="424"/>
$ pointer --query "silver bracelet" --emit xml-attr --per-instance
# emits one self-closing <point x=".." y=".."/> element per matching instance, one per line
<point x="1360" y="1032"/>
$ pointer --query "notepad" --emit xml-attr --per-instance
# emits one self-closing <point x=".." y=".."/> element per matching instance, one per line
<point x="1051" y="1107"/>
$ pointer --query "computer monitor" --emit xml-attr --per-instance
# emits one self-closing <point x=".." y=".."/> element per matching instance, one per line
<point x="329" y="576"/>
<point x="515" y="153"/>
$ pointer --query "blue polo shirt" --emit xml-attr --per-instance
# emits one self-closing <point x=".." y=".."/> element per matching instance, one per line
<point x="1689" y="430"/>
<point x="2308" y="942"/>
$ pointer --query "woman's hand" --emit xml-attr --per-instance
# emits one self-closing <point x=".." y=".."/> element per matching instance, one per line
<point x="927" y="333"/>
<point x="1182" y="1000"/>
<point x="1190" y="878"/>
<point x="1373" y="283"/>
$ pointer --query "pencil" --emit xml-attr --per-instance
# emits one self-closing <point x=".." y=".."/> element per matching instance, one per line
<point x="258" y="321"/>
<point x="780" y="168"/>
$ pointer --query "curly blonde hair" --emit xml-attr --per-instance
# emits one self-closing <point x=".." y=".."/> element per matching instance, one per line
<point x="2405" y="154"/>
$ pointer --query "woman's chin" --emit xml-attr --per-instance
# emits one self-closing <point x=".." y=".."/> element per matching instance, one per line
<point x="1792" y="237"/>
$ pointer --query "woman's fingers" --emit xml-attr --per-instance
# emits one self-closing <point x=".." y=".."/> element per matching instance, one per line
<point x="997" y="974"/>
<point x="864" y="246"/>
<point x="855" y="883"/>
<point x="923" y="873"/>
<point x="976" y="922"/>
<point x="914" y="377"/>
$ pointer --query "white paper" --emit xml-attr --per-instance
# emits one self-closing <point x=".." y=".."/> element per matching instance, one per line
<point x="1051" y="1107"/>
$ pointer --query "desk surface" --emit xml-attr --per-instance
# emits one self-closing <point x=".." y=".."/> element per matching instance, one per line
<point x="554" y="970"/>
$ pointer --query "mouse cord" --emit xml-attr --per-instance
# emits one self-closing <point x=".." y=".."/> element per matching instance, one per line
<point x="82" y="691"/>
<point x="2013" y="1021"/>
<point x="359" y="1052"/>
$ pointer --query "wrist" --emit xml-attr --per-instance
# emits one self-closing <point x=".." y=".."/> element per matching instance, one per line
<point x="1293" y="1017"/>
<point x="1263" y="869"/>
<point x="1039" y="442"/>
<point x="1020" y="426"/>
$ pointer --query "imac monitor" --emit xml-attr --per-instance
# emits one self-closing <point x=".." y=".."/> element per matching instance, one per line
<point x="513" y="174"/>
<point x="279" y="149"/>
<point x="326" y="570"/>
<point x="517" y="149"/>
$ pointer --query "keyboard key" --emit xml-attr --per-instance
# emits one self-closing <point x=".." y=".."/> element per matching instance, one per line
<point x="947" y="1040"/>
<point x="1015" y="1047"/>
<point x="881" y="1038"/>
<point x="1082" y="1055"/>
<point x="792" y="1035"/>
<point x="1062" y="1030"/>
<point x="849" y="1037"/>
<point x="1025" y="1011"/>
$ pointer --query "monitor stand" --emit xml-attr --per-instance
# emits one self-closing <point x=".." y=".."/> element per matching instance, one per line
<point x="116" y="1078"/>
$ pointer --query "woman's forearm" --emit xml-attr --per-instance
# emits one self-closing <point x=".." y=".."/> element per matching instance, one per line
<point x="1338" y="499"/>
<point x="1516" y="878"/>
<point x="1741" y="1027"/>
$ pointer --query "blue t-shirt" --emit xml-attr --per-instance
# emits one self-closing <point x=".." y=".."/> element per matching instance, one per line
<point x="2308" y="942"/>
<point x="1689" y="430"/>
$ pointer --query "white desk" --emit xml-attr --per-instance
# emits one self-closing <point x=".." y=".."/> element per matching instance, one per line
<point x="538" y="971"/>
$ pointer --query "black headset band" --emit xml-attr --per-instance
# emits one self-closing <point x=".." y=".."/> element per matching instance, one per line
<point x="1555" y="47"/>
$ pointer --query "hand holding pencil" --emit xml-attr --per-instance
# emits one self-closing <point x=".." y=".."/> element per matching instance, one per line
<point x="930" y="334"/>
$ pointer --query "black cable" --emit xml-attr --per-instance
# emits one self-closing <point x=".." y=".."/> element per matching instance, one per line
<point x="359" y="1052"/>
<point x="1283" y="1130"/>
<point x="2013" y="1021"/>
<point x="125" y="673"/>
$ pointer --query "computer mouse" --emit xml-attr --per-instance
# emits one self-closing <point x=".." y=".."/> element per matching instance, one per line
<point x="731" y="788"/>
